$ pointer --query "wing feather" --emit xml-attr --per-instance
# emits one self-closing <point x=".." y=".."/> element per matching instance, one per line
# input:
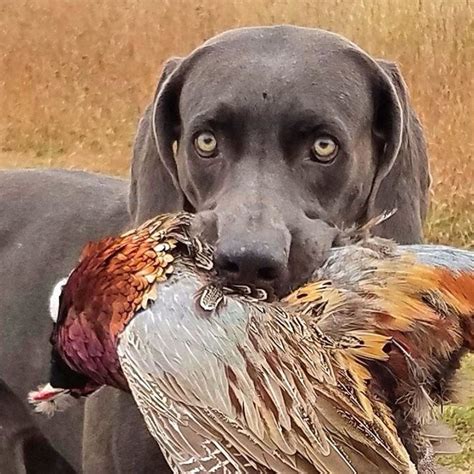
<point x="268" y="409"/>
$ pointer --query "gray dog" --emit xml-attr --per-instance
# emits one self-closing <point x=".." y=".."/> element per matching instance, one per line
<point x="276" y="137"/>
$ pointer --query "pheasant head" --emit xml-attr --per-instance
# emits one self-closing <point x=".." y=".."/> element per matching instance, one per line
<point x="114" y="279"/>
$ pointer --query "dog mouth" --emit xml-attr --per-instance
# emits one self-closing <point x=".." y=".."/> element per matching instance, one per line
<point x="309" y="247"/>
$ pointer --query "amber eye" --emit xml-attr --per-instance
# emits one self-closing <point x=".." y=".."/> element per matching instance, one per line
<point x="324" y="149"/>
<point x="205" y="144"/>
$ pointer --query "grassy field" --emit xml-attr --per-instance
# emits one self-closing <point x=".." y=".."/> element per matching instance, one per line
<point x="75" y="75"/>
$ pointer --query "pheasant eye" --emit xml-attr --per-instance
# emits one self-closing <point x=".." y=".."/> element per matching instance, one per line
<point x="324" y="149"/>
<point x="205" y="144"/>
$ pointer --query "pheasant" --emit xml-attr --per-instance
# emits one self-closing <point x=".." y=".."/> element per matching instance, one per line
<point x="323" y="381"/>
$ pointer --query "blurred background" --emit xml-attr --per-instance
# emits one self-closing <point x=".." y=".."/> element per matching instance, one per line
<point x="75" y="76"/>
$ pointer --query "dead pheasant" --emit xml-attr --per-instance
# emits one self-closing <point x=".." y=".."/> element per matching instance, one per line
<point x="229" y="383"/>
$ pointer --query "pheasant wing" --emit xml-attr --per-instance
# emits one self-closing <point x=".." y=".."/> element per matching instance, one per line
<point x="245" y="388"/>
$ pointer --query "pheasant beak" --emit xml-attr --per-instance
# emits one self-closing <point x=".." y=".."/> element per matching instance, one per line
<point x="49" y="400"/>
<point x="44" y="394"/>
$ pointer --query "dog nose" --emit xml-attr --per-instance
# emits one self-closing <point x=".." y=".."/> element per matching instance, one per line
<point x="257" y="263"/>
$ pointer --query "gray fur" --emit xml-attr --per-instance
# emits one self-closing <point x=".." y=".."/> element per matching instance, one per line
<point x="262" y="204"/>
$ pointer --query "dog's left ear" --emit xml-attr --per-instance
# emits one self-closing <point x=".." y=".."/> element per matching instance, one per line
<point x="402" y="180"/>
<point x="154" y="184"/>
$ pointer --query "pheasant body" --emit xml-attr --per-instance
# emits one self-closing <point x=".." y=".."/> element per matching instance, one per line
<point x="220" y="383"/>
<point x="338" y="377"/>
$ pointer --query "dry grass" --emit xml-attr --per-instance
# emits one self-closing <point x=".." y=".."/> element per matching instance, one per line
<point x="74" y="76"/>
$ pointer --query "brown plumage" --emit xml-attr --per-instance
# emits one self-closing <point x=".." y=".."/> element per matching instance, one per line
<point x="322" y="382"/>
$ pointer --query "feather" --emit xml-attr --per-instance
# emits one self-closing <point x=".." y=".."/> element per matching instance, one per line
<point x="276" y="417"/>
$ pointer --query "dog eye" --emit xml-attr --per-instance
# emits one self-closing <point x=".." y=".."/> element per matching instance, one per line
<point x="205" y="144"/>
<point x="324" y="149"/>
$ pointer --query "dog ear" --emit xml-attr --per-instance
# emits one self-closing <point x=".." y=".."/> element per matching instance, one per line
<point x="402" y="180"/>
<point x="154" y="184"/>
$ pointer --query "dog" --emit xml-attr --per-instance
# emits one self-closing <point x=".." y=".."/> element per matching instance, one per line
<point x="277" y="138"/>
